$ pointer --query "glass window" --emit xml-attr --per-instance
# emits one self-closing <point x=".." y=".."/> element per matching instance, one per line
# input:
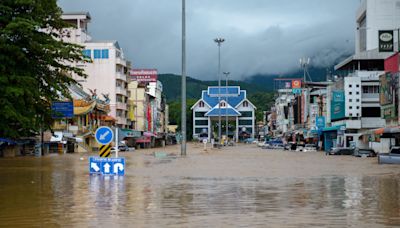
<point x="245" y="122"/>
<point x="350" y="85"/>
<point x="245" y="104"/>
<point x="201" y="104"/>
<point x="350" y="93"/>
<point x="350" y="107"/>
<point x="201" y="122"/>
<point x="350" y="100"/>
<point x="199" y="114"/>
<point x="357" y="93"/>
<point x="104" y="54"/>
<point x="246" y="114"/>
<point x="97" y="53"/>
<point x="87" y="53"/>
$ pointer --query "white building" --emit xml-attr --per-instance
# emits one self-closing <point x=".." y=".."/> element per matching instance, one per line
<point x="107" y="73"/>
<point x="372" y="16"/>
<point x="234" y="105"/>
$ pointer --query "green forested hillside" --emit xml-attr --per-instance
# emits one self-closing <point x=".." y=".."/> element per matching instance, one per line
<point x="172" y="86"/>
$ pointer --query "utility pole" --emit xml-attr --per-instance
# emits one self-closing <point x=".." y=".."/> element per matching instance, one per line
<point x="183" y="111"/>
<point x="226" y="108"/>
<point x="219" y="41"/>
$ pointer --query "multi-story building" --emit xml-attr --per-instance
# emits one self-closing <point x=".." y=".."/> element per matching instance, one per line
<point x="108" y="69"/>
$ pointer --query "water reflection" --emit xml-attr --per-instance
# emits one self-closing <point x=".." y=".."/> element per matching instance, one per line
<point x="57" y="191"/>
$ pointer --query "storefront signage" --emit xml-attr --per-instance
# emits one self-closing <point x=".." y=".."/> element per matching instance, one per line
<point x="337" y="105"/>
<point x="388" y="112"/>
<point x="144" y="75"/>
<point x="386" y="41"/>
<point x="320" y="122"/>
<point x="296" y="84"/>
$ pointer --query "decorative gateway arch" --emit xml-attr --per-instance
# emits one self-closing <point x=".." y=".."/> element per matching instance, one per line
<point x="234" y="105"/>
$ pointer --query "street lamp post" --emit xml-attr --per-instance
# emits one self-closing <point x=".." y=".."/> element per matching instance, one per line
<point x="183" y="111"/>
<point x="226" y="99"/>
<point x="219" y="41"/>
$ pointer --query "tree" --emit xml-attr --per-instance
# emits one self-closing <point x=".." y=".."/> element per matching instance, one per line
<point x="35" y="64"/>
<point x="175" y="115"/>
<point x="263" y="101"/>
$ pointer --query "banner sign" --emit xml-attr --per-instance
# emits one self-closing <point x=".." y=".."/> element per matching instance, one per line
<point x="337" y="105"/>
<point x="62" y="109"/>
<point x="320" y="122"/>
<point x="144" y="75"/>
<point x="386" y="41"/>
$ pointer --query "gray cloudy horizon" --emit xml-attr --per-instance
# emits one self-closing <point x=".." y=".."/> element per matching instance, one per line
<point x="262" y="36"/>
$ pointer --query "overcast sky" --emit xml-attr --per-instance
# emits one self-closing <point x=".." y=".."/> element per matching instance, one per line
<point x="262" y="36"/>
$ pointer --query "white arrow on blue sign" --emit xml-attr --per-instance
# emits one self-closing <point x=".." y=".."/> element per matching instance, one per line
<point x="107" y="166"/>
<point x="104" y="135"/>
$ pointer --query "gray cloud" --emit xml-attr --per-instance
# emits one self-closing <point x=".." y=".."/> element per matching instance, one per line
<point x="262" y="36"/>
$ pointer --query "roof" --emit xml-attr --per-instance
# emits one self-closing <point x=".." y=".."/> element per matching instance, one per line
<point x="114" y="42"/>
<point x="223" y="91"/>
<point x="78" y="13"/>
<point x="232" y="100"/>
<point x="224" y="112"/>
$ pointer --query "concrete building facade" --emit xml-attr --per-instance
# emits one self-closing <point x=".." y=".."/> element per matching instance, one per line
<point x="108" y="69"/>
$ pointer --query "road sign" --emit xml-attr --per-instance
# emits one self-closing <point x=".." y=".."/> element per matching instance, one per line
<point x="107" y="166"/>
<point x="104" y="135"/>
<point x="105" y="151"/>
<point x="296" y="91"/>
<point x="62" y="109"/>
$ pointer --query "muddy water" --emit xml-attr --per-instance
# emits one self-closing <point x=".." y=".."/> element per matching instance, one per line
<point x="240" y="186"/>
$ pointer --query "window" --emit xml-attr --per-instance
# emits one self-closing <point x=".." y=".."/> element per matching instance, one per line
<point x="201" y="122"/>
<point x="199" y="114"/>
<point x="350" y="85"/>
<point x="100" y="54"/>
<point x="104" y="54"/>
<point x="97" y="53"/>
<point x="245" y="122"/>
<point x="246" y="114"/>
<point x="358" y="86"/>
<point x="245" y="104"/>
<point x="350" y="93"/>
<point x="223" y="104"/>
<point x="358" y="107"/>
<point x="370" y="89"/>
<point x="350" y="100"/>
<point x="358" y="100"/>
<point x="201" y="104"/>
<point x="87" y="53"/>
<point x="358" y="93"/>
<point x="350" y="107"/>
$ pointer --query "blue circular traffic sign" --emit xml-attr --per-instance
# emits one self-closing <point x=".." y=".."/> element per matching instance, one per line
<point x="104" y="135"/>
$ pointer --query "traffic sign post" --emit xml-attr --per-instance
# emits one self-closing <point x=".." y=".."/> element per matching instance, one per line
<point x="104" y="135"/>
<point x="105" y="151"/>
<point x="107" y="166"/>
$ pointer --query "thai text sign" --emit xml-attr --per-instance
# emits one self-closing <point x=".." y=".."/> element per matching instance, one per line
<point x="62" y="109"/>
<point x="144" y="75"/>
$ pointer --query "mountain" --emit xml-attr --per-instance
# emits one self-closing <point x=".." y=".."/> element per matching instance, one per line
<point x="172" y="86"/>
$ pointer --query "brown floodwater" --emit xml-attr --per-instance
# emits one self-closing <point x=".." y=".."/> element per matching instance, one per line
<point x="242" y="186"/>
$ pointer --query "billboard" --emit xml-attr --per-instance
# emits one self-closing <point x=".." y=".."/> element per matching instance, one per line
<point x="144" y="75"/>
<point x="61" y="109"/>
<point x="337" y="105"/>
<point x="387" y="87"/>
<point x="320" y="122"/>
<point x="386" y="41"/>
<point x="296" y="84"/>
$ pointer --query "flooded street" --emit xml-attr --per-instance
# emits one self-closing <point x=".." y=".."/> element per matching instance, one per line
<point x="242" y="186"/>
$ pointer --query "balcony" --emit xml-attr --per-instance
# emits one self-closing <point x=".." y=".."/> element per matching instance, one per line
<point x="120" y="90"/>
<point x="121" y="120"/>
<point x="372" y="122"/>
<point x="120" y="61"/>
<point x="370" y="97"/>
<point x="121" y="105"/>
<point x="121" y="76"/>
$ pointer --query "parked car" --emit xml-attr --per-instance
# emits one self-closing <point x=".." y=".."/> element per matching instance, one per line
<point x="393" y="157"/>
<point x="272" y="144"/>
<point x="364" y="153"/>
<point x="120" y="148"/>
<point x="261" y="144"/>
<point x="342" y="151"/>
<point x="310" y="148"/>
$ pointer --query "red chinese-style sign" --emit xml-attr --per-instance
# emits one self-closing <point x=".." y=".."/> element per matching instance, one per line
<point x="144" y="75"/>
